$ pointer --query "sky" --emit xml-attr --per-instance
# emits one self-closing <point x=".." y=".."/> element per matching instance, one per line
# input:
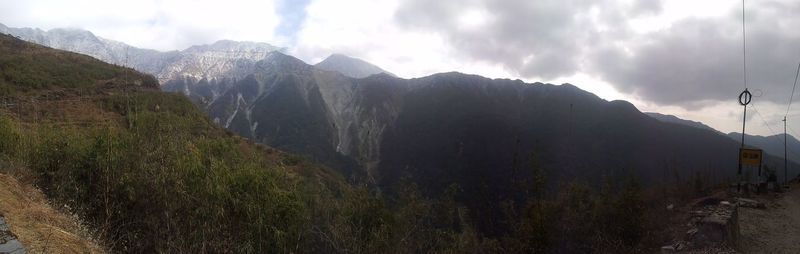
<point x="680" y="57"/>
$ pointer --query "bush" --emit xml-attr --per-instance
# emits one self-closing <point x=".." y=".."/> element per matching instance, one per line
<point x="157" y="187"/>
<point x="9" y="137"/>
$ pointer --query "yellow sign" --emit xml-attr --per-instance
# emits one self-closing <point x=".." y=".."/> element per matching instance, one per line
<point x="750" y="157"/>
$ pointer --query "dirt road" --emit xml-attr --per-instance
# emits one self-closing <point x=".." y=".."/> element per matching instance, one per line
<point x="775" y="229"/>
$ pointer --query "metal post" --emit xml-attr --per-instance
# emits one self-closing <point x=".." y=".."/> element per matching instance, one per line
<point x="744" y="119"/>
<point x="785" y="158"/>
<point x="739" y="173"/>
<point x="744" y="98"/>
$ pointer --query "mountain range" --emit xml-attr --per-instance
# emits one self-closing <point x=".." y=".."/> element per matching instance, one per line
<point x="773" y="145"/>
<point x="483" y="135"/>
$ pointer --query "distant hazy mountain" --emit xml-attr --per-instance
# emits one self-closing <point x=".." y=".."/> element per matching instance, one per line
<point x="676" y="120"/>
<point x="771" y="144"/>
<point x="349" y="66"/>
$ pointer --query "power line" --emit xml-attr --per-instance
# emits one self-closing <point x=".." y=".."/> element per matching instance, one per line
<point x="791" y="131"/>
<point x="772" y="131"/>
<point x="744" y="48"/>
<point x="785" y="126"/>
<point x="753" y="106"/>
<point x="793" y="87"/>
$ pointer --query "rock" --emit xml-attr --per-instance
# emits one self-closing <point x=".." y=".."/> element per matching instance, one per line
<point x="670" y="207"/>
<point x="668" y="249"/>
<point x="8" y="241"/>
<point x="725" y="203"/>
<point x="745" y="202"/>
<point x="720" y="227"/>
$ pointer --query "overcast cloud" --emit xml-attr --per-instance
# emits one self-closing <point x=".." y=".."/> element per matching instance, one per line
<point x="681" y="56"/>
<point x="697" y="60"/>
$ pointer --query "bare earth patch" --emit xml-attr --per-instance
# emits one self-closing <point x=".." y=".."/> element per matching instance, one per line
<point x="775" y="229"/>
<point x="39" y="227"/>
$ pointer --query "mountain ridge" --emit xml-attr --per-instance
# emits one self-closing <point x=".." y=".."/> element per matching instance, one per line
<point x="770" y="144"/>
<point x="350" y="66"/>
<point x="677" y="120"/>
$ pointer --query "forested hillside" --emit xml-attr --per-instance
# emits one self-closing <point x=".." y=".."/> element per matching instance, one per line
<point x="148" y="172"/>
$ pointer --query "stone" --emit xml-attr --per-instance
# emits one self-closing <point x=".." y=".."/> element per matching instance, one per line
<point x="670" y="207"/>
<point x="745" y="202"/>
<point x="719" y="227"/>
<point x="668" y="249"/>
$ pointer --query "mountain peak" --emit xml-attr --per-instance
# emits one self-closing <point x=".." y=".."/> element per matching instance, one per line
<point x="350" y="66"/>
<point x="234" y="46"/>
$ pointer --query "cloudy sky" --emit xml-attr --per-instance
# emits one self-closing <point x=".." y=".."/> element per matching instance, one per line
<point x="681" y="57"/>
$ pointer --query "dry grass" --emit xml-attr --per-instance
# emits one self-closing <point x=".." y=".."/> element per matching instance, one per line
<point x="39" y="227"/>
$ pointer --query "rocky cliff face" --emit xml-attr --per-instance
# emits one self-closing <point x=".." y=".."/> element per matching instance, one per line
<point x="295" y="106"/>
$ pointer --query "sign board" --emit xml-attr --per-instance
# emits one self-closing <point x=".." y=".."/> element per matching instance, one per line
<point x="750" y="157"/>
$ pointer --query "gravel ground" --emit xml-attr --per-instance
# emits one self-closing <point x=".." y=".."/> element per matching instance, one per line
<point x="775" y="229"/>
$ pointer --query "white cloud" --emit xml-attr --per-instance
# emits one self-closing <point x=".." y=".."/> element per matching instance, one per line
<point x="157" y="24"/>
<point x="366" y="29"/>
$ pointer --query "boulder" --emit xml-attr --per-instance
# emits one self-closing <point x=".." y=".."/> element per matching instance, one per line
<point x="719" y="227"/>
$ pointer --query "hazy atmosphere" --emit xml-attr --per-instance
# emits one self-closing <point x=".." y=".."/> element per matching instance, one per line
<point x="676" y="57"/>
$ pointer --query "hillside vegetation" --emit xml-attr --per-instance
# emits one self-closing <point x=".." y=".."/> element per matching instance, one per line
<point x="149" y="172"/>
<point x="26" y="67"/>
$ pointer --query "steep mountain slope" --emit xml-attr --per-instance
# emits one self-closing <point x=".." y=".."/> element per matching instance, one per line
<point x="149" y="173"/>
<point x="452" y="127"/>
<point x="349" y="66"/>
<point x="480" y="134"/>
<point x="676" y="120"/>
<point x="146" y="170"/>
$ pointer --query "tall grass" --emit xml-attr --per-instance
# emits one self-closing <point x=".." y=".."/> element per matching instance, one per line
<point x="163" y="178"/>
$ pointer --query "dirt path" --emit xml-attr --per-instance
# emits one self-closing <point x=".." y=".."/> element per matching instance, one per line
<point x="39" y="227"/>
<point x="775" y="229"/>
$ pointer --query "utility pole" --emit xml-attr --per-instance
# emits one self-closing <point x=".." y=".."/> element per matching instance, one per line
<point x="744" y="98"/>
<point x="785" y="158"/>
